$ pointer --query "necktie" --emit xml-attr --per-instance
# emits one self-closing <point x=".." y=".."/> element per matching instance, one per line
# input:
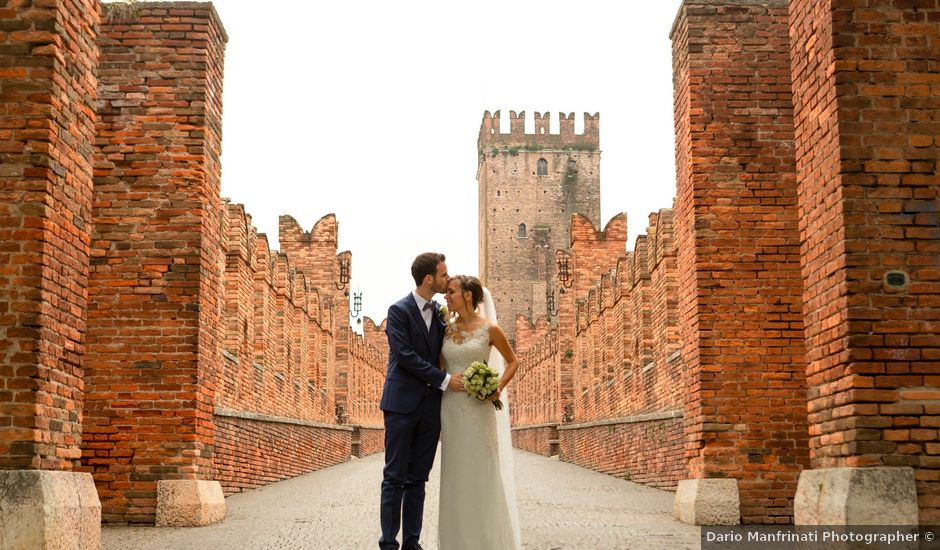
<point x="429" y="306"/>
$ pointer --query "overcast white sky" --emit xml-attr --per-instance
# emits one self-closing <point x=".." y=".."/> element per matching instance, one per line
<point x="371" y="110"/>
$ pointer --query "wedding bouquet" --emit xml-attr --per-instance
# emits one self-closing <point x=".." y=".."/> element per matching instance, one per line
<point x="480" y="380"/>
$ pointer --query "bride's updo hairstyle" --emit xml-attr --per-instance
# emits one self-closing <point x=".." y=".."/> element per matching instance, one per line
<point x="469" y="283"/>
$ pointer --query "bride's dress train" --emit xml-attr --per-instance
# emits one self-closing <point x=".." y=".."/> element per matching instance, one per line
<point x="477" y="502"/>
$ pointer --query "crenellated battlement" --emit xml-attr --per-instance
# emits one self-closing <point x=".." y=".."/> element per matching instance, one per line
<point x="661" y="232"/>
<point x="375" y="333"/>
<point x="314" y="252"/>
<point x="582" y="229"/>
<point x="621" y="273"/>
<point x="542" y="138"/>
<point x="639" y="259"/>
<point x="651" y="248"/>
<point x="324" y="231"/>
<point x="289" y="272"/>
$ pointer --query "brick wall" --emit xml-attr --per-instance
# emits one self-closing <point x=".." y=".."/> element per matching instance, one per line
<point x="370" y="441"/>
<point x="518" y="264"/>
<point x="276" y="342"/>
<point x="650" y="451"/>
<point x="315" y="254"/>
<point x="535" y="406"/>
<point x="537" y="349"/>
<point x="625" y="415"/>
<point x="210" y="356"/>
<point x="801" y="184"/>
<point x="629" y="378"/>
<point x="251" y="452"/>
<point x="48" y="80"/>
<point x="738" y="256"/>
<point x="280" y="372"/>
<point x="155" y="289"/>
<point x="599" y="337"/>
<point x="541" y="440"/>
<point x="370" y="418"/>
<point x="367" y="366"/>
<point x="865" y="80"/>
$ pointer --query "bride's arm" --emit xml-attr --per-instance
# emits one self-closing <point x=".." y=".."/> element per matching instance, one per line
<point x="498" y="339"/>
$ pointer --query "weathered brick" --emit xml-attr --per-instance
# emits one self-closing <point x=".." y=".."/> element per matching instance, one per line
<point x="858" y="224"/>
<point x="614" y="355"/>
<point x="738" y="250"/>
<point x="179" y="221"/>
<point x="49" y="80"/>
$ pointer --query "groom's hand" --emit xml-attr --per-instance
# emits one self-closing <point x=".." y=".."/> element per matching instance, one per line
<point x="456" y="382"/>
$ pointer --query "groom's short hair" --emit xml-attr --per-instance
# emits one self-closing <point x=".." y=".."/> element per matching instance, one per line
<point x="424" y="265"/>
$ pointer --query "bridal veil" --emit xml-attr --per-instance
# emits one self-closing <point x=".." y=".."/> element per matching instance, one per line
<point x="503" y="431"/>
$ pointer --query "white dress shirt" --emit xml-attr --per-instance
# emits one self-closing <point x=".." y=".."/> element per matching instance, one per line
<point x="428" y="315"/>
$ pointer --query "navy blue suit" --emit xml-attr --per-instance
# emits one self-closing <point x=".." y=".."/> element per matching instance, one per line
<point x="411" y="402"/>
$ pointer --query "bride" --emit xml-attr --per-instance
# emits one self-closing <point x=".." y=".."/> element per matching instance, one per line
<point x="478" y="499"/>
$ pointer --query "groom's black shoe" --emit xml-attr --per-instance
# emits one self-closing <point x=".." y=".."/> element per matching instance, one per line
<point x="415" y="547"/>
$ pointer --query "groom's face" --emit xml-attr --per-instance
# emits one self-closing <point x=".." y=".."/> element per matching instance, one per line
<point x="441" y="278"/>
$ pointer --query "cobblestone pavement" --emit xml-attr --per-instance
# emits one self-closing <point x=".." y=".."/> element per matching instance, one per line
<point x="561" y="507"/>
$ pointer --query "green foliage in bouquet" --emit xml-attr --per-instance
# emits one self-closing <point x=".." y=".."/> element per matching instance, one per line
<point x="480" y="381"/>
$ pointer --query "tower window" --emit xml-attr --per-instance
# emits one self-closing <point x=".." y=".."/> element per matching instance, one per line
<point x="541" y="237"/>
<point x="521" y="233"/>
<point x="542" y="168"/>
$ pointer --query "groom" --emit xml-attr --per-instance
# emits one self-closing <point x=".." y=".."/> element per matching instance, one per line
<point x="411" y="401"/>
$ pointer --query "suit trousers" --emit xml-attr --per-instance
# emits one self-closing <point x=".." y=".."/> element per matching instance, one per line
<point x="410" y="445"/>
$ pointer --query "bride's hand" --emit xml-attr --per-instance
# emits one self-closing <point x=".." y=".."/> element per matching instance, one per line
<point x="493" y="396"/>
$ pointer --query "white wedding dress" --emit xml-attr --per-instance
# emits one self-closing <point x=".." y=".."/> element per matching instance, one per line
<point x="477" y="499"/>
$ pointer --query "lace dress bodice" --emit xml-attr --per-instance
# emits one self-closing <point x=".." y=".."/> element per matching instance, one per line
<point x="462" y="348"/>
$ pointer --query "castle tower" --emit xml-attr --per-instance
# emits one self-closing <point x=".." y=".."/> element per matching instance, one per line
<point x="530" y="185"/>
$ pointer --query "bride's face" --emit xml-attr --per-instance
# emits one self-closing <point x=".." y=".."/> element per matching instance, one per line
<point x="454" y="296"/>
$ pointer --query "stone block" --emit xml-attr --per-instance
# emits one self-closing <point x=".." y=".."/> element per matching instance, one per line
<point x="708" y="502"/>
<point x="42" y="509"/>
<point x="189" y="503"/>
<point x="856" y="496"/>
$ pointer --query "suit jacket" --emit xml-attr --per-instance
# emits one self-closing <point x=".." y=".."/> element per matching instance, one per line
<point x="413" y="355"/>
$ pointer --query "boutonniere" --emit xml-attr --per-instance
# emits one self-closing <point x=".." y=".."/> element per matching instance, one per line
<point x="443" y="313"/>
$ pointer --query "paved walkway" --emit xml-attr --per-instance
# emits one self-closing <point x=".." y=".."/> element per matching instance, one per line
<point x="561" y="507"/>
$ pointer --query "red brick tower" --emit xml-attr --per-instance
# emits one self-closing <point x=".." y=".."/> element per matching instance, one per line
<point x="530" y="185"/>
